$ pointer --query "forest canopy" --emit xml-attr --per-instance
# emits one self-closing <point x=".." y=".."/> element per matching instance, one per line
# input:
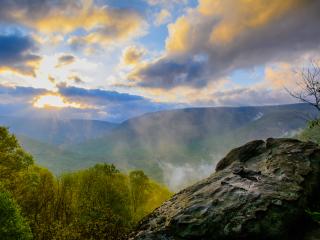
<point x="95" y="203"/>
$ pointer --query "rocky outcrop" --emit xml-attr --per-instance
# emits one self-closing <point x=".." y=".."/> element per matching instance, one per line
<point x="259" y="191"/>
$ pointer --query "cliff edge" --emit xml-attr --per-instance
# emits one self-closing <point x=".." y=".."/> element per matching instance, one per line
<point x="259" y="191"/>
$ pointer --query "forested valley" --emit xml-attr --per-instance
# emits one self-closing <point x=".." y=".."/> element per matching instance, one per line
<point x="95" y="203"/>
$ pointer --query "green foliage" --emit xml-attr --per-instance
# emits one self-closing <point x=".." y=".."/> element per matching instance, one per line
<point x="139" y="183"/>
<point x="312" y="132"/>
<point x="96" y="203"/>
<point x="12" y="224"/>
<point x="145" y="194"/>
<point x="313" y="123"/>
<point x="13" y="159"/>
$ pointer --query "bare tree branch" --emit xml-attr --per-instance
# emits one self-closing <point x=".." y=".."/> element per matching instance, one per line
<point x="309" y="85"/>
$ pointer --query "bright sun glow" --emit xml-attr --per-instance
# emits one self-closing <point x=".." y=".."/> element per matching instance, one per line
<point x="54" y="101"/>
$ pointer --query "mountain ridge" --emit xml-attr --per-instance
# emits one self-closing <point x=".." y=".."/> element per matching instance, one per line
<point x="186" y="138"/>
<point x="57" y="131"/>
<point x="176" y="147"/>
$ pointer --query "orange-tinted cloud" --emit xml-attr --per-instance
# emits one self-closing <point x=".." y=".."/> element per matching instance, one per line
<point x="220" y="36"/>
<point x="102" y="24"/>
<point x="180" y="36"/>
<point x="246" y="15"/>
<point x="132" y="55"/>
<point x="281" y="76"/>
<point x="54" y="100"/>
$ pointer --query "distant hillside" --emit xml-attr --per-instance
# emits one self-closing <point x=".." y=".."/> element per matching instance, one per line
<point x="52" y="157"/>
<point x="176" y="146"/>
<point x="179" y="146"/>
<point x="57" y="131"/>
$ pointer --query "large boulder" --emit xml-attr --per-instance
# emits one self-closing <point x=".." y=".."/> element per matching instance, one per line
<point x="259" y="191"/>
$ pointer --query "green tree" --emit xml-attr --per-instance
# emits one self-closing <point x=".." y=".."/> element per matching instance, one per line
<point x="311" y="132"/>
<point x="12" y="224"/>
<point x="103" y="202"/>
<point x="13" y="160"/>
<point x="139" y="184"/>
<point x="96" y="203"/>
<point x="146" y="195"/>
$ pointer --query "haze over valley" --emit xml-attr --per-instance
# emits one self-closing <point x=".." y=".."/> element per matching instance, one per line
<point x="175" y="147"/>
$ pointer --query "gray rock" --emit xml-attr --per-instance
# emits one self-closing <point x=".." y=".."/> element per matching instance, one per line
<point x="259" y="191"/>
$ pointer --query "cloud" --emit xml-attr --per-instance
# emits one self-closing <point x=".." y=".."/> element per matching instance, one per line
<point x="268" y="87"/>
<point x="65" y="60"/>
<point x="51" y="79"/>
<point x="53" y="100"/>
<point x="119" y="106"/>
<point x="281" y="75"/>
<point x="205" y="44"/>
<point x="101" y="96"/>
<point x="101" y="24"/>
<point x="16" y="55"/>
<point x="16" y="10"/>
<point x="77" y="103"/>
<point x="251" y="96"/>
<point x="76" y="43"/>
<point x="187" y="95"/>
<point x="165" y="3"/>
<point x="76" y="79"/>
<point x="132" y="55"/>
<point x="164" y="16"/>
<point x="167" y="73"/>
<point x="223" y="92"/>
<point x="17" y="91"/>
<point x="115" y="25"/>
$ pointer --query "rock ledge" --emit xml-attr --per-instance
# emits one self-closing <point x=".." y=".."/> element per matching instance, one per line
<point x="259" y="191"/>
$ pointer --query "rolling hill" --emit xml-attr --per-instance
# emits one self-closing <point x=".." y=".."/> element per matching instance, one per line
<point x="176" y="147"/>
<point x="57" y="131"/>
<point x="50" y="156"/>
<point x="179" y="146"/>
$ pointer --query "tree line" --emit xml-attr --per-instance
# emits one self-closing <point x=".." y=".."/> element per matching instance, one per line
<point x="96" y="203"/>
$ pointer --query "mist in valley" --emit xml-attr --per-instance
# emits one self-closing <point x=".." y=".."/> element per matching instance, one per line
<point x="176" y="147"/>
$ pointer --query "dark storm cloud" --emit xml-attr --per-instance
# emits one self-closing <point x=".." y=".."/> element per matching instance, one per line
<point x="285" y="36"/>
<point x="16" y="54"/>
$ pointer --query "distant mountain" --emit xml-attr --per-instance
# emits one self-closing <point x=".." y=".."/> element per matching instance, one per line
<point x="56" y="131"/>
<point x="176" y="146"/>
<point x="51" y="156"/>
<point x="183" y="145"/>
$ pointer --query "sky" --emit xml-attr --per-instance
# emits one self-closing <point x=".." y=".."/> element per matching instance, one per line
<point x="117" y="59"/>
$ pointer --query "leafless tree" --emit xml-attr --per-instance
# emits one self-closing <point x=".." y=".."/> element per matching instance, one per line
<point x="308" y="85"/>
